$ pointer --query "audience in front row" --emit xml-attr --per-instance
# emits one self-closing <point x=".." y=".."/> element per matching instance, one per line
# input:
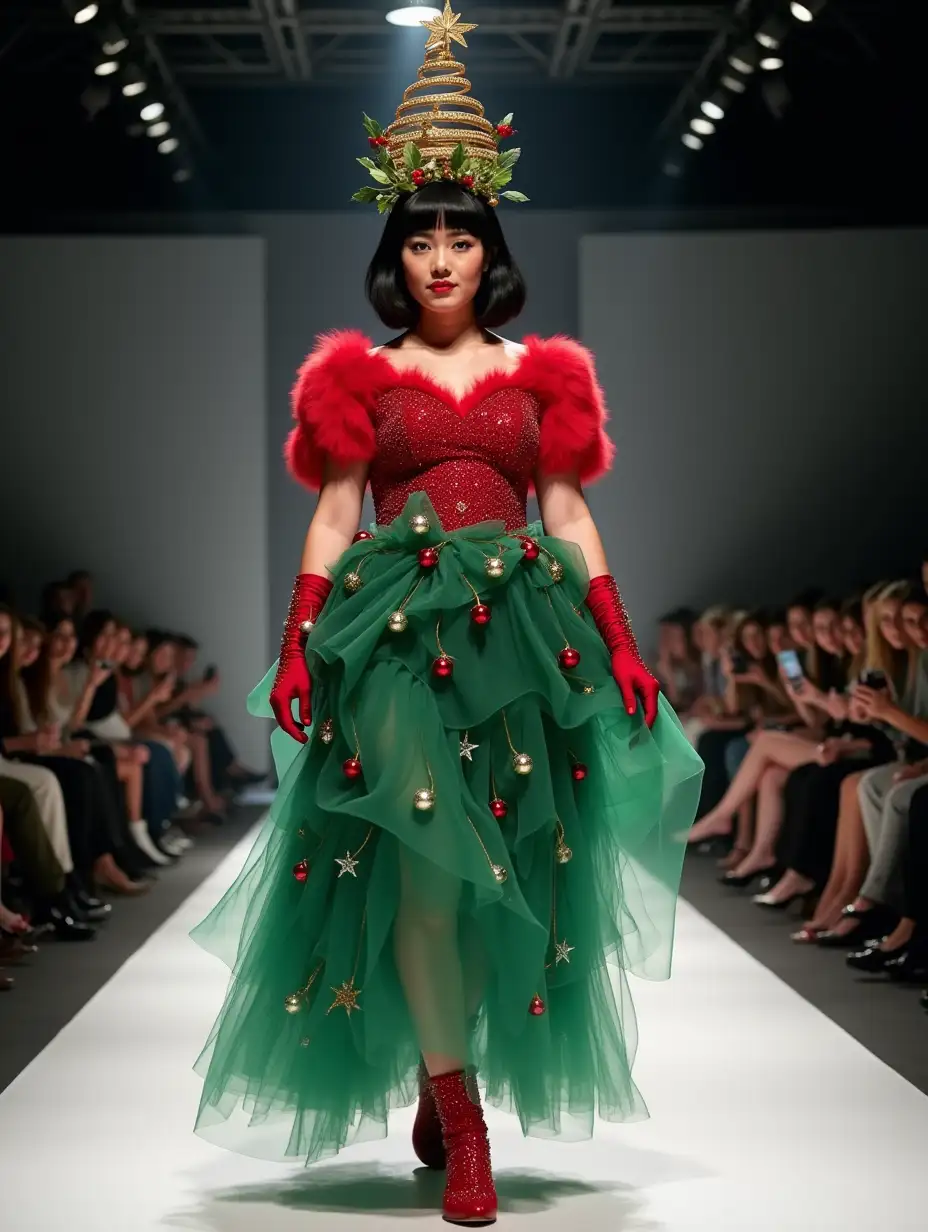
<point x="813" y="726"/>
<point x="106" y="764"/>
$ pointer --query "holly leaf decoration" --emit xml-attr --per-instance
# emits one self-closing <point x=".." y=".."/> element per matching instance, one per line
<point x="371" y="127"/>
<point x="507" y="119"/>
<point x="365" y="195"/>
<point x="501" y="179"/>
<point x="412" y="156"/>
<point x="512" y="195"/>
<point x="458" y="155"/>
<point x="509" y="158"/>
<point x="380" y="176"/>
<point x="368" y="163"/>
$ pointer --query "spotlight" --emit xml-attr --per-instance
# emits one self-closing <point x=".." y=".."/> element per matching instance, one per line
<point x="714" y="107"/>
<point x="411" y="13"/>
<point x="744" y="58"/>
<point x="81" y="13"/>
<point x="168" y="145"/>
<point x="773" y="32"/>
<point x="114" y="41"/>
<point x="737" y="85"/>
<point x="152" y="111"/>
<point x="692" y="142"/>
<point x="808" y="11"/>
<point x="770" y="64"/>
<point x="158" y="129"/>
<point x="106" y="68"/>
<point x="133" y="81"/>
<point x="704" y="127"/>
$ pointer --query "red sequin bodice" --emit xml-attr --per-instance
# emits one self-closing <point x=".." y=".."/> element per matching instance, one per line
<point x="474" y="458"/>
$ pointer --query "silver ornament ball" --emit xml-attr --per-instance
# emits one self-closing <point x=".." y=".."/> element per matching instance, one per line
<point x="494" y="567"/>
<point x="397" y="621"/>
<point x="424" y="799"/>
<point x="293" y="1003"/>
<point x="500" y="873"/>
<point x="522" y="763"/>
<point x="419" y="524"/>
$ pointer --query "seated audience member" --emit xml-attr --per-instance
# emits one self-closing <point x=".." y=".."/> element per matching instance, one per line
<point x="708" y="635"/>
<point x="679" y="667"/>
<point x="80" y="583"/>
<point x="904" y="957"/>
<point x="58" y="599"/>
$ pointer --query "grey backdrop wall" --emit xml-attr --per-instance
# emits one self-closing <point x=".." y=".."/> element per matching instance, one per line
<point x="770" y="409"/>
<point x="134" y="437"/>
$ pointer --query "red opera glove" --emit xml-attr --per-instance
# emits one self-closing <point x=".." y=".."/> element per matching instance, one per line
<point x="292" y="682"/>
<point x="631" y="675"/>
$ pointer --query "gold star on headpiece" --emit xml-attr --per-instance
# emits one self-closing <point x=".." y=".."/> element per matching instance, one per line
<point x="346" y="996"/>
<point x="446" y="28"/>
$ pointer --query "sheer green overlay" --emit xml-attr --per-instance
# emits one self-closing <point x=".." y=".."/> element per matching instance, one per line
<point x="437" y="928"/>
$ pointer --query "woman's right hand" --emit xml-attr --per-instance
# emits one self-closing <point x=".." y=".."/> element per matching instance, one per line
<point x="292" y="684"/>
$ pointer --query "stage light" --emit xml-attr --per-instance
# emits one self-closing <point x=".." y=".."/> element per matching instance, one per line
<point x="744" y="58"/>
<point x="704" y="127"/>
<point x="106" y="68"/>
<point x="168" y="145"/>
<point x="770" y="64"/>
<point x="114" y="41"/>
<point x="808" y="11"/>
<point x="412" y="14"/>
<point x="692" y="142"/>
<point x="736" y="84"/>
<point x="134" y="82"/>
<point x="82" y="13"/>
<point x="714" y="107"/>
<point x="152" y="111"/>
<point x="773" y="32"/>
<point x="158" y="129"/>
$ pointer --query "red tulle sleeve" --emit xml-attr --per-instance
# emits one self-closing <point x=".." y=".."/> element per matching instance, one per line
<point x="573" y="437"/>
<point x="332" y="404"/>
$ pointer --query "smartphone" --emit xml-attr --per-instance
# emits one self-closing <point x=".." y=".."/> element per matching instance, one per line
<point x="874" y="679"/>
<point x="792" y="668"/>
<point x="739" y="662"/>
<point x="211" y="671"/>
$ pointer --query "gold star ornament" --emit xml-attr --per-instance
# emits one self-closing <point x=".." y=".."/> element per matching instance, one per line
<point x="447" y="29"/>
<point x="346" y="998"/>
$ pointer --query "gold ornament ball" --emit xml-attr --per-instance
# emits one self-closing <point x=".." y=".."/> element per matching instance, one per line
<point x="556" y="569"/>
<point x="419" y="524"/>
<point x="327" y="732"/>
<point x="424" y="799"/>
<point x="293" y="1003"/>
<point x="500" y="873"/>
<point x="522" y="763"/>
<point x="564" y="854"/>
<point x="494" y="567"/>
<point x="352" y="582"/>
<point x="306" y="626"/>
<point x="397" y="622"/>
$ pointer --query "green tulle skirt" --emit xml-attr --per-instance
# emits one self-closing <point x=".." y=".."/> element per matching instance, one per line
<point x="372" y="921"/>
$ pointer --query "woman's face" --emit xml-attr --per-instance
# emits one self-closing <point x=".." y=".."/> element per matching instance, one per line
<point x="102" y="647"/>
<point x="709" y="638"/>
<point x="138" y="652"/>
<point x="778" y="638"/>
<point x="799" y="624"/>
<point x="677" y="643"/>
<point x="30" y="647"/>
<point x="443" y="268"/>
<point x="62" y="642"/>
<point x="825" y="629"/>
<point x="891" y="623"/>
<point x="122" y="644"/>
<point x="754" y="640"/>
<point x="162" y="659"/>
<point x="853" y="636"/>
<point x="915" y="625"/>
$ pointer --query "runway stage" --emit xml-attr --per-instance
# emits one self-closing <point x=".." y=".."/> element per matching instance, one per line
<point x="766" y="1117"/>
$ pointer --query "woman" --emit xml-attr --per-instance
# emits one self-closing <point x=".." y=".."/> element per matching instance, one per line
<point x="484" y="751"/>
<point x="679" y="666"/>
<point x="708" y="638"/>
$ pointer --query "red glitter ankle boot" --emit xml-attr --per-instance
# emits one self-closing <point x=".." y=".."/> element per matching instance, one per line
<point x="427" y="1141"/>
<point x="470" y="1195"/>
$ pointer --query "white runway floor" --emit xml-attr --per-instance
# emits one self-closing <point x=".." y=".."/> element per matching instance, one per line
<point x="765" y="1118"/>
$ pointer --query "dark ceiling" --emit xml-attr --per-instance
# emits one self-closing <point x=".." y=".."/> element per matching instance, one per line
<point x="265" y="97"/>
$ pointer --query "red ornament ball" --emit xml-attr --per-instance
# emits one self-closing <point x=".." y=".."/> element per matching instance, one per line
<point x="536" y="1006"/>
<point x="443" y="666"/>
<point x="301" y="871"/>
<point x="530" y="549"/>
<point x="428" y="557"/>
<point x="499" y="808"/>
<point x="578" y="771"/>
<point x="569" y="657"/>
<point x="480" y="613"/>
<point x="374" y="142"/>
<point x="351" y="768"/>
<point x="361" y="536"/>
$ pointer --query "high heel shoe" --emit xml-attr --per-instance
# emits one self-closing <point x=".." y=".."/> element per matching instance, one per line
<point x="783" y="904"/>
<point x="873" y="958"/>
<point x="741" y="883"/>
<point x="470" y="1195"/>
<point x="426" y="1132"/>
<point x="908" y="967"/>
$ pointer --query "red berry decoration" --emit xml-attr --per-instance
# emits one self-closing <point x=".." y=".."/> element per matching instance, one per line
<point x="569" y="657"/>
<point x="578" y="771"/>
<point x="443" y="666"/>
<point x="351" y="768"/>
<point x="361" y="536"/>
<point x="504" y="130"/>
<point x="428" y="557"/>
<point x="536" y="1006"/>
<point x="418" y="176"/>
<point x="374" y="142"/>
<point x="499" y="808"/>
<point x="530" y="549"/>
<point x="480" y="613"/>
<point x="301" y="871"/>
<point x="466" y="181"/>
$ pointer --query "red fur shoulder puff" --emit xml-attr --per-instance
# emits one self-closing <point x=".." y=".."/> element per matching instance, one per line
<point x="332" y="402"/>
<point x="562" y="373"/>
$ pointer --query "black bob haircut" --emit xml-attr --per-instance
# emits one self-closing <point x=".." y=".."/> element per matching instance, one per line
<point x="501" y="295"/>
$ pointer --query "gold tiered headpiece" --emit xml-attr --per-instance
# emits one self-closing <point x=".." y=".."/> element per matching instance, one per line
<point x="440" y="132"/>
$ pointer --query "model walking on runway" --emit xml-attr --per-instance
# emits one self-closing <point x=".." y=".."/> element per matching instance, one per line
<point x="479" y="783"/>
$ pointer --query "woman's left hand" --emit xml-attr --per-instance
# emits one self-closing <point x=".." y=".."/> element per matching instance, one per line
<point x="635" y="681"/>
<point x="874" y="703"/>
